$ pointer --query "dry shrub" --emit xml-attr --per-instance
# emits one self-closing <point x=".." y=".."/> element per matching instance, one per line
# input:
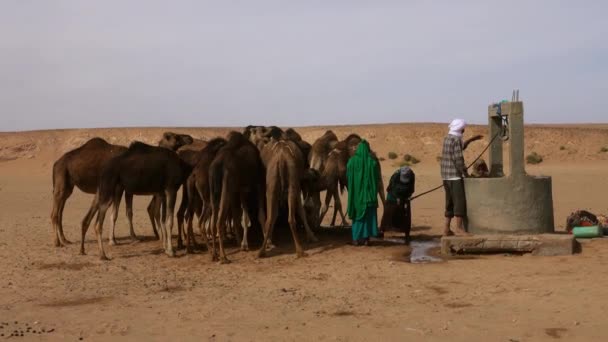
<point x="534" y="158"/>
<point x="392" y="155"/>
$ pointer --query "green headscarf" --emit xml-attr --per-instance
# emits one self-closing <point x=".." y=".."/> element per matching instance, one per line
<point x="362" y="173"/>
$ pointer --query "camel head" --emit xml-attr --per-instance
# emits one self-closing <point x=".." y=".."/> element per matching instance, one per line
<point x="174" y="141"/>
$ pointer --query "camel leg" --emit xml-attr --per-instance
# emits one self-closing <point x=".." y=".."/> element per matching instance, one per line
<point x="189" y="213"/>
<point x="293" y="204"/>
<point x="338" y="203"/>
<point x="272" y="206"/>
<point x="213" y="227"/>
<point x="333" y="218"/>
<point x="129" y="208"/>
<point x="205" y="219"/>
<point x="152" y="213"/>
<point x="61" y="192"/>
<point x="325" y="207"/>
<point x="221" y="223"/>
<point x="158" y="214"/>
<point x="309" y="233"/>
<point x="168" y="219"/>
<point x="115" y="207"/>
<point x="62" y="237"/>
<point x="181" y="212"/>
<point x="237" y="226"/>
<point x="86" y="222"/>
<point x="244" y="241"/>
<point x="103" y="208"/>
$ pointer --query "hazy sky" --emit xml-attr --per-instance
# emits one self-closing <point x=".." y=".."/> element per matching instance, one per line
<point x="209" y="63"/>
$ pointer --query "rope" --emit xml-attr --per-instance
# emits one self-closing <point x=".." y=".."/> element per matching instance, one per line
<point x="474" y="161"/>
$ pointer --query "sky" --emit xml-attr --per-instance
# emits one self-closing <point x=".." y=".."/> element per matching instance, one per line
<point x="115" y="63"/>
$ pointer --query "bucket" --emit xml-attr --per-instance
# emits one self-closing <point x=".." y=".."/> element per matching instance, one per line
<point x="587" y="232"/>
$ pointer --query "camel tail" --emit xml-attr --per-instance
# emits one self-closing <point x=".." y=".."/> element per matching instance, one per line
<point x="283" y="174"/>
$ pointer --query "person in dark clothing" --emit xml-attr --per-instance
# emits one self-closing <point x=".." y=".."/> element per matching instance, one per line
<point x="398" y="210"/>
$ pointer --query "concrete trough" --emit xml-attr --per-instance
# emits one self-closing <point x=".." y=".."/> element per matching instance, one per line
<point x="538" y="244"/>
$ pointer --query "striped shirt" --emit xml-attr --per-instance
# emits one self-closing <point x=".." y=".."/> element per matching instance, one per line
<point x="452" y="160"/>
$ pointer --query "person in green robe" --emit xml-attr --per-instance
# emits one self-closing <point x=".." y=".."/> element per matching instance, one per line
<point x="362" y="173"/>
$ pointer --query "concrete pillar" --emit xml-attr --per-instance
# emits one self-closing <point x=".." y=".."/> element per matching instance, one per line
<point x="515" y="111"/>
<point x="495" y="159"/>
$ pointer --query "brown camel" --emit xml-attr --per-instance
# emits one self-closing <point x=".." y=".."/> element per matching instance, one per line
<point x="80" y="167"/>
<point x="285" y="171"/>
<point x="197" y="190"/>
<point x="321" y="149"/>
<point x="236" y="176"/>
<point x="141" y="170"/>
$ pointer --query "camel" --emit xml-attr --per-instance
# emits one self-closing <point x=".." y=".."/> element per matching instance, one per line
<point x="141" y="170"/>
<point x="171" y="141"/>
<point x="236" y="176"/>
<point x="321" y="149"/>
<point x="186" y="147"/>
<point x="197" y="189"/>
<point x="80" y="167"/>
<point x="285" y="171"/>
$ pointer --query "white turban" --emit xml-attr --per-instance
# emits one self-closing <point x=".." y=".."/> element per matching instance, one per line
<point x="456" y="127"/>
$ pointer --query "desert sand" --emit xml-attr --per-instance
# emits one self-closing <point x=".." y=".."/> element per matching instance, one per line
<point x="338" y="293"/>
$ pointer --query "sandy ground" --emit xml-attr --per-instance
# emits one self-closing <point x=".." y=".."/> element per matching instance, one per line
<point x="338" y="293"/>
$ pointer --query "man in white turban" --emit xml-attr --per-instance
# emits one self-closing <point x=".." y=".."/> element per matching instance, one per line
<point x="453" y="170"/>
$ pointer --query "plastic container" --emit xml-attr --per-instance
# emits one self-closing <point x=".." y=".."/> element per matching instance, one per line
<point x="587" y="232"/>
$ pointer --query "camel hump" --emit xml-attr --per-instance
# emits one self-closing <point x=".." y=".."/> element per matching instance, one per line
<point x="140" y="147"/>
<point x="215" y="144"/>
<point x="236" y="139"/>
<point x="96" y="141"/>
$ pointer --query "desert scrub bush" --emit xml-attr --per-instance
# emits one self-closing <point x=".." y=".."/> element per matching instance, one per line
<point x="408" y="159"/>
<point x="561" y="148"/>
<point x="534" y="158"/>
<point x="392" y="155"/>
<point x="604" y="149"/>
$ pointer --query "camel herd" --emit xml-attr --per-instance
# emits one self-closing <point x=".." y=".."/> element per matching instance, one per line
<point x="229" y="183"/>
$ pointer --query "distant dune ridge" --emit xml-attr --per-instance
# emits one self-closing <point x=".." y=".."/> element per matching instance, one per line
<point x="556" y="143"/>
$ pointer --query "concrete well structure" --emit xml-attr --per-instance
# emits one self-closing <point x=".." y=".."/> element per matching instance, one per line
<point x="516" y="203"/>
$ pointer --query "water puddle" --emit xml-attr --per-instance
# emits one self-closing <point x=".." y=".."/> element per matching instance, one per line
<point x="420" y="251"/>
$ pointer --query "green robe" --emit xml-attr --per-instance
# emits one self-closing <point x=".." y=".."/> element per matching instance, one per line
<point x="362" y="174"/>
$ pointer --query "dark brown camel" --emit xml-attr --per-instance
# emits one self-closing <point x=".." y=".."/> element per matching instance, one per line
<point x="187" y="148"/>
<point x="173" y="142"/>
<point x="80" y="167"/>
<point x="141" y="170"/>
<point x="197" y="189"/>
<point x="236" y="175"/>
<point x="285" y="171"/>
